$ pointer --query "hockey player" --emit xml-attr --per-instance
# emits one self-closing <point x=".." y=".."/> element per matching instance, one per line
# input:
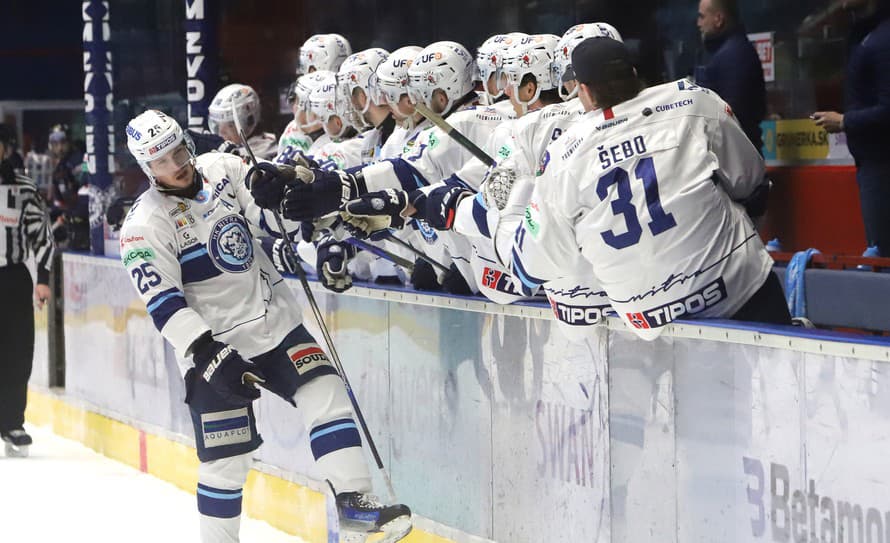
<point x="489" y="59"/>
<point x="323" y="52"/>
<point x="300" y="135"/>
<point x="188" y="246"/>
<point x="241" y="100"/>
<point x="441" y="78"/>
<point x="344" y="144"/>
<point x="644" y="191"/>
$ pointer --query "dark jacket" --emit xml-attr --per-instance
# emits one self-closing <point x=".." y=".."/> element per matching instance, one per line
<point x="867" y="89"/>
<point x="732" y="69"/>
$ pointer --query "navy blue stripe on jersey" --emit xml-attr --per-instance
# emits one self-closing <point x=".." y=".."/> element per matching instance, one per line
<point x="528" y="283"/>
<point x="163" y="305"/>
<point x="455" y="181"/>
<point x="334" y="436"/>
<point x="409" y="178"/>
<point x="219" y="502"/>
<point x="480" y="216"/>
<point x="196" y="265"/>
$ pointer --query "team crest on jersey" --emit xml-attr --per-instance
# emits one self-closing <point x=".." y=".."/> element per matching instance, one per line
<point x="429" y="233"/>
<point x="230" y="244"/>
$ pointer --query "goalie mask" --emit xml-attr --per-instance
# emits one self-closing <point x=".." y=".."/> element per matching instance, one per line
<point x="562" y="61"/>
<point x="323" y="52"/>
<point x="160" y="146"/>
<point x="444" y="65"/>
<point x="229" y="101"/>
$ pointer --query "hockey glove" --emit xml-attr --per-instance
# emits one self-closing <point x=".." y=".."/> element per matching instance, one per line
<point x="331" y="263"/>
<point x="225" y="371"/>
<point x="454" y="282"/>
<point x="440" y="205"/>
<point x="266" y="182"/>
<point x="424" y="277"/>
<point x="375" y="212"/>
<point x="320" y="192"/>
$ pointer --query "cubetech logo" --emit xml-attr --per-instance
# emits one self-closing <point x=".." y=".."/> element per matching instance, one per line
<point x="696" y="302"/>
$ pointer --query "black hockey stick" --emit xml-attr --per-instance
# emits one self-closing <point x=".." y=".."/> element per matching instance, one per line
<point x="321" y="324"/>
<point x="464" y="141"/>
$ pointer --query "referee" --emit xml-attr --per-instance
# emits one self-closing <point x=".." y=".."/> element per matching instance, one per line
<point x="24" y="230"/>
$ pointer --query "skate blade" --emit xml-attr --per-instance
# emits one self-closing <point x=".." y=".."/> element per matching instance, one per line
<point x="16" y="452"/>
<point x="395" y="530"/>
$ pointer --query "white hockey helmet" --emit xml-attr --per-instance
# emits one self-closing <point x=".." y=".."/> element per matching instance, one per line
<point x="325" y="102"/>
<point x="489" y="57"/>
<point x="390" y="81"/>
<point x="309" y="82"/>
<point x="323" y="52"/>
<point x="357" y="70"/>
<point x="231" y="99"/>
<point x="562" y="62"/>
<point x="444" y="65"/>
<point x="532" y="55"/>
<point x="159" y="144"/>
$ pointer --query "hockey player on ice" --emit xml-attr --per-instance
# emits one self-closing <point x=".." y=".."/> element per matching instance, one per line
<point x="188" y="245"/>
<point x="243" y="101"/>
<point x="646" y="190"/>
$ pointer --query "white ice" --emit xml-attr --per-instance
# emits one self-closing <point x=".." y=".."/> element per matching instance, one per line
<point x="66" y="492"/>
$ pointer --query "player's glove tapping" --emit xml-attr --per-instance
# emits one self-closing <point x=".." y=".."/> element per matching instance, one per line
<point x="320" y="192"/>
<point x="331" y="263"/>
<point x="267" y="181"/>
<point x="375" y="212"/>
<point x="229" y="375"/>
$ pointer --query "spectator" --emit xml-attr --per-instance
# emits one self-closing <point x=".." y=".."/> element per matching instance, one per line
<point x="866" y="117"/>
<point x="25" y="229"/>
<point x="730" y="65"/>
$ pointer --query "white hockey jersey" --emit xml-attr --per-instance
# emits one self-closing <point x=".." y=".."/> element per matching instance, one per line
<point x="645" y="192"/>
<point x="197" y="266"/>
<point x="263" y="145"/>
<point x="340" y="154"/>
<point x="293" y="139"/>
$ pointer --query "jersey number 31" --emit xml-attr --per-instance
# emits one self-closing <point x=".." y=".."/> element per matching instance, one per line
<point x="661" y="221"/>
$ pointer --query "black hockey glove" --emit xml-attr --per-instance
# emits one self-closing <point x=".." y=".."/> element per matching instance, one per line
<point x="117" y="211"/>
<point x="454" y="282"/>
<point x="276" y="248"/>
<point x="756" y="203"/>
<point x="225" y="371"/>
<point x="331" y="263"/>
<point x="424" y="277"/>
<point x="372" y="214"/>
<point x="299" y="159"/>
<point x="440" y="205"/>
<point x="266" y="182"/>
<point x="320" y="192"/>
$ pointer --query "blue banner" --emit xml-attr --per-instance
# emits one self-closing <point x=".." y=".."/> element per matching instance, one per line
<point x="200" y="59"/>
<point x="98" y="87"/>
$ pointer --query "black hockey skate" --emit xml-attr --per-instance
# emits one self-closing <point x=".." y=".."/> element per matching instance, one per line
<point x="361" y="514"/>
<point x="16" y="442"/>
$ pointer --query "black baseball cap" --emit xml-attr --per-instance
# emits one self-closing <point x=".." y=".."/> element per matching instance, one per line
<point x="600" y="60"/>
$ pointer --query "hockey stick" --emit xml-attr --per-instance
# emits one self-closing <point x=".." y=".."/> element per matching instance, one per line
<point x="464" y="142"/>
<point x="391" y="237"/>
<point x="321" y="324"/>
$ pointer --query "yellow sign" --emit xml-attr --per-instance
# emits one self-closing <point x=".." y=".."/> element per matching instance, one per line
<point x="800" y="139"/>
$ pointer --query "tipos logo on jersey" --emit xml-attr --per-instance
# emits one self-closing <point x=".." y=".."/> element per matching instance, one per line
<point x="226" y="428"/>
<point x="580" y="315"/>
<point x="696" y="302"/>
<point x="499" y="281"/>
<point x="230" y="244"/>
<point x="306" y="357"/>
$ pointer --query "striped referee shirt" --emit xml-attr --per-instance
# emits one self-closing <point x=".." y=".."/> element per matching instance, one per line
<point x="24" y="226"/>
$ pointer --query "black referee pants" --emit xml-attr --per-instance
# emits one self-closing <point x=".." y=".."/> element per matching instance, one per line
<point x="16" y="344"/>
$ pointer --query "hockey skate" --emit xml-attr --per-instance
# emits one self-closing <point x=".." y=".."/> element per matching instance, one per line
<point x="16" y="442"/>
<point x="361" y="515"/>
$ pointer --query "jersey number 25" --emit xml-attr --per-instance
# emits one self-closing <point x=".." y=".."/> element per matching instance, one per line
<point x="661" y="221"/>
